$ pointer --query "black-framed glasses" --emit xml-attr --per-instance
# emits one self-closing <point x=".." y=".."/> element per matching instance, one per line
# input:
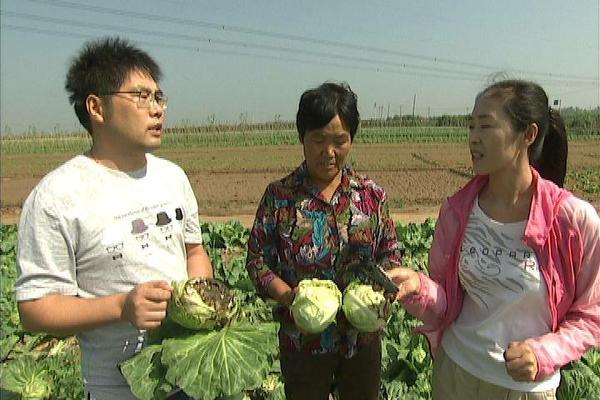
<point x="144" y="98"/>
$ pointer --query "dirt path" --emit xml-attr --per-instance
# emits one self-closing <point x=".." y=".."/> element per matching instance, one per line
<point x="417" y="215"/>
<point x="10" y="215"/>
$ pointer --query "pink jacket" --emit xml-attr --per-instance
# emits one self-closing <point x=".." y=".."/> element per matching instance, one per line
<point x="564" y="232"/>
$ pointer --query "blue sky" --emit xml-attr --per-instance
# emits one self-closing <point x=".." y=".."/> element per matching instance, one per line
<point x="263" y="54"/>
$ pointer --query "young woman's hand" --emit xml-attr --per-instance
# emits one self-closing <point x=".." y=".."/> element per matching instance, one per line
<point x="407" y="280"/>
<point x="520" y="362"/>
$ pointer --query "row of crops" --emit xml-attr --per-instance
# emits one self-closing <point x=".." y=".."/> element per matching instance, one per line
<point x="183" y="138"/>
<point x="48" y="366"/>
<point x="186" y="138"/>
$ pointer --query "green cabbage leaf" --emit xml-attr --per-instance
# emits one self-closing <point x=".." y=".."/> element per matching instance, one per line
<point x="27" y="377"/>
<point x="225" y="362"/>
<point x="204" y="364"/>
<point x="146" y="375"/>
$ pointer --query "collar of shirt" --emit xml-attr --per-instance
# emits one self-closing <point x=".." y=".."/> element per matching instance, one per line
<point x="300" y="179"/>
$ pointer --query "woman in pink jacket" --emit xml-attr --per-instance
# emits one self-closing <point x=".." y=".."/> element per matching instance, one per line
<point x="513" y="291"/>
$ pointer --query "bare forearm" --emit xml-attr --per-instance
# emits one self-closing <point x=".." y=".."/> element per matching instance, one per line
<point x="198" y="262"/>
<point x="281" y="292"/>
<point x="66" y="315"/>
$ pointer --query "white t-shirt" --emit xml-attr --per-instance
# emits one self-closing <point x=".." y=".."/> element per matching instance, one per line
<point x="88" y="231"/>
<point x="506" y="300"/>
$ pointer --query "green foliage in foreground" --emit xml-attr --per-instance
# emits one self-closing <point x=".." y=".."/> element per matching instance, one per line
<point x="206" y="364"/>
<point x="587" y="180"/>
<point x="31" y="364"/>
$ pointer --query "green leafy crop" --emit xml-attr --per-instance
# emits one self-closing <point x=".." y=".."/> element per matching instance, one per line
<point x="203" y="362"/>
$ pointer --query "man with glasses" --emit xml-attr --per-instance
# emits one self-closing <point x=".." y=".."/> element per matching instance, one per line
<point x="101" y="237"/>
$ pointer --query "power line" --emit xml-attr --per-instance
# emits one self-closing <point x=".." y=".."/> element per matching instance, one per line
<point x="299" y="38"/>
<point x="196" y="49"/>
<point x="42" y="31"/>
<point x="62" y="21"/>
<point x="408" y="69"/>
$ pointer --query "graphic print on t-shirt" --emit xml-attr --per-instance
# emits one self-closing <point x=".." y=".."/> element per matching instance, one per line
<point x="163" y="222"/>
<point x="140" y="230"/>
<point x="494" y="263"/>
<point x="112" y="241"/>
<point x="178" y="214"/>
<point x="141" y="236"/>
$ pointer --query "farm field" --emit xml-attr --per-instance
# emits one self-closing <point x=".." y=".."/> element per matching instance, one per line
<point x="228" y="174"/>
<point x="229" y="180"/>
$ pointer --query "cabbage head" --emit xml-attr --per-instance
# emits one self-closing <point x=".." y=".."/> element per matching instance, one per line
<point x="26" y="378"/>
<point x="316" y="305"/>
<point x="365" y="308"/>
<point x="200" y="303"/>
<point x="37" y="389"/>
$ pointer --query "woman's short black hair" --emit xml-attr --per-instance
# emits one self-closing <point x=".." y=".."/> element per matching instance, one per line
<point x="320" y="105"/>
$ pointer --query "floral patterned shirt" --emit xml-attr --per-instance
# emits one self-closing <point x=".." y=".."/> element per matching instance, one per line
<point x="297" y="235"/>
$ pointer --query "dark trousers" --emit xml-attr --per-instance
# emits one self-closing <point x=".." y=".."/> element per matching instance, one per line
<point x="308" y="376"/>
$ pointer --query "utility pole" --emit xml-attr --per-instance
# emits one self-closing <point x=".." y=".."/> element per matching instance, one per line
<point x="400" y="114"/>
<point x="414" y="101"/>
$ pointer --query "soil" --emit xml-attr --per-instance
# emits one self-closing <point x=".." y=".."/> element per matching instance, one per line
<point x="10" y="215"/>
<point x="229" y="182"/>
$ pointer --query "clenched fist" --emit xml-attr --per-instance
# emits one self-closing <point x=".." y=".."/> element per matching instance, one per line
<point x="520" y="362"/>
<point x="145" y="305"/>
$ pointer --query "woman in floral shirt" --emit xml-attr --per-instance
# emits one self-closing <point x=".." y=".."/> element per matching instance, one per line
<point x="312" y="224"/>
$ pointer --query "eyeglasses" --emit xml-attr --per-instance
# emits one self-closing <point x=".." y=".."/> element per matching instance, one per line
<point x="144" y="98"/>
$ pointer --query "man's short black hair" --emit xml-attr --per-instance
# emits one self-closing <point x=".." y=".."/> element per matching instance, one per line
<point x="320" y="105"/>
<point x="102" y="66"/>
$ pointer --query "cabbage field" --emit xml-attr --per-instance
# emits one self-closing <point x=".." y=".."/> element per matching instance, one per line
<point x="39" y="366"/>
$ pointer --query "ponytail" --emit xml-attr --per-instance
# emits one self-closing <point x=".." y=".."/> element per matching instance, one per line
<point x="525" y="103"/>
<point x="552" y="160"/>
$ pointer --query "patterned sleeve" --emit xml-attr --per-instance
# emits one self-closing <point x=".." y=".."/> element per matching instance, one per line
<point x="262" y="245"/>
<point x="388" y="249"/>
